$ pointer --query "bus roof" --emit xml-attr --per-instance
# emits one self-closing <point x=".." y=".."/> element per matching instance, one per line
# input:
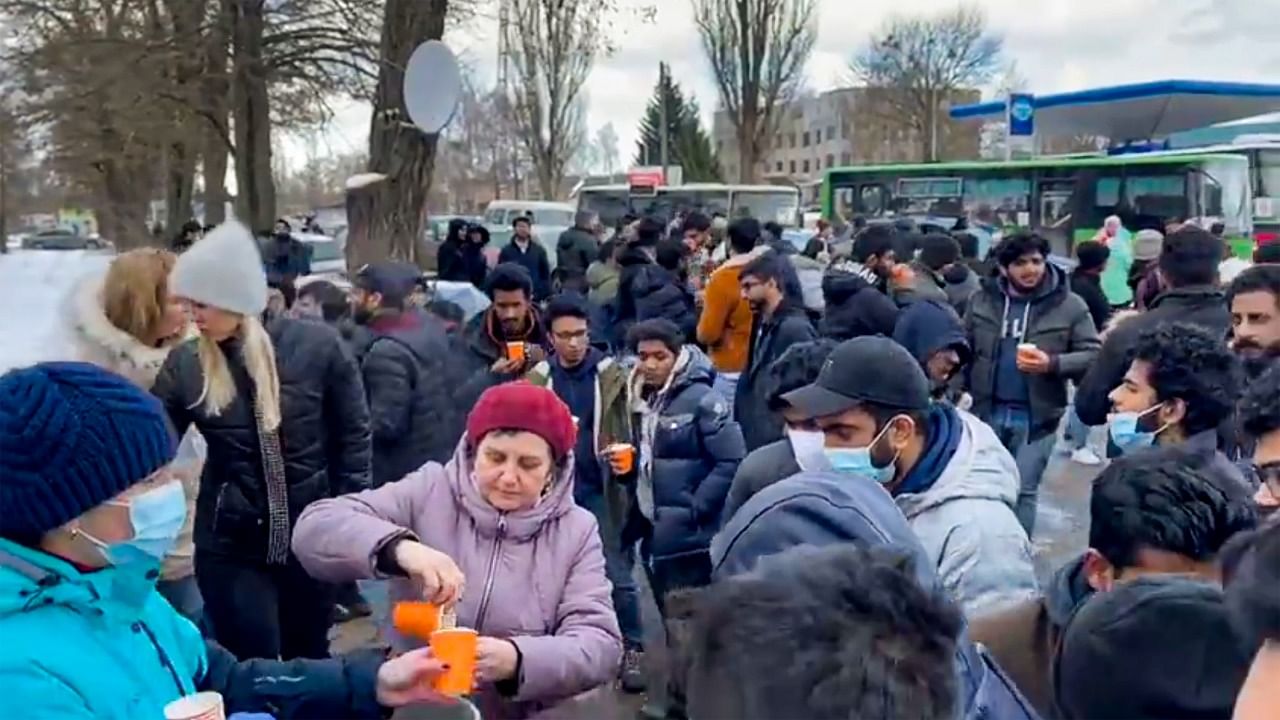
<point x="1047" y="162"/>
<point x="698" y="186"/>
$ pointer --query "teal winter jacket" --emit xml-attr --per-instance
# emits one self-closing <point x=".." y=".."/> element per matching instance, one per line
<point x="104" y="645"/>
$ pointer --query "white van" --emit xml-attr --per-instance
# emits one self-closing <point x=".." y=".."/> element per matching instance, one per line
<point x="549" y="220"/>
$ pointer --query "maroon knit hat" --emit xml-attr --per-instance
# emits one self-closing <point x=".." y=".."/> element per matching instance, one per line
<point x="523" y="406"/>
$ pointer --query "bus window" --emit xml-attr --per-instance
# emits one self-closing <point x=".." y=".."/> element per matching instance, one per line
<point x="1268" y="169"/>
<point x="610" y="205"/>
<point x="844" y="208"/>
<point x="1157" y="196"/>
<point x="1224" y="193"/>
<point x="872" y="200"/>
<point x="781" y="206"/>
<point x="1005" y="199"/>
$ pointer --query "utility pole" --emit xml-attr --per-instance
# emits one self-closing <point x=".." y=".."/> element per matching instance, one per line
<point x="664" y="146"/>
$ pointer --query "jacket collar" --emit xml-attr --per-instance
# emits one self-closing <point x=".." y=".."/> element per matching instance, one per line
<point x="128" y="355"/>
<point x="521" y="525"/>
<point x="1194" y="295"/>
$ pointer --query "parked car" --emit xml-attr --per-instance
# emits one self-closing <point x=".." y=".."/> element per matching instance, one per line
<point x="62" y="240"/>
<point x="328" y="254"/>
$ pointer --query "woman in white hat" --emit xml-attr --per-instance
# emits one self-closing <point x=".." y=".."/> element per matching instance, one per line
<point x="283" y="412"/>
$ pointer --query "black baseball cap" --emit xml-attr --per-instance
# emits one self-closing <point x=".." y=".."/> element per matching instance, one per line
<point x="395" y="281"/>
<point x="870" y="370"/>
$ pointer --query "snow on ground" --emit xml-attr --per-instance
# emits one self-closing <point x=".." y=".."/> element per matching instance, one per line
<point x="34" y="285"/>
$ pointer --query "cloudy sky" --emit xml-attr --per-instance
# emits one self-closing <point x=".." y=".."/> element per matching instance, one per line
<point x="1058" y="45"/>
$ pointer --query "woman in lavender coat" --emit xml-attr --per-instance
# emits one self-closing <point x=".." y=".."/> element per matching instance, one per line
<point x="495" y="533"/>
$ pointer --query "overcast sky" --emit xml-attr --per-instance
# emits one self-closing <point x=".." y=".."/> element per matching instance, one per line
<point x="1059" y="45"/>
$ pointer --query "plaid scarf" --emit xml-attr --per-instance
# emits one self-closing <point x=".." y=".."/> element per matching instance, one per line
<point x="277" y="490"/>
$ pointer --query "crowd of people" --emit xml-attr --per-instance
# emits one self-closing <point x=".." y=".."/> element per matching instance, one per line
<point x="825" y="462"/>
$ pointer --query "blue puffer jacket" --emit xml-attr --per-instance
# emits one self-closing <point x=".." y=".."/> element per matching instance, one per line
<point x="824" y="508"/>
<point x="105" y="645"/>
<point x="693" y="454"/>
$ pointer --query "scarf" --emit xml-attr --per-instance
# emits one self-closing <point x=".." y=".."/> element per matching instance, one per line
<point x="277" y="489"/>
<point x="493" y="329"/>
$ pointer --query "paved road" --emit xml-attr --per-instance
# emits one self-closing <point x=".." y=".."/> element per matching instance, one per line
<point x="1062" y="533"/>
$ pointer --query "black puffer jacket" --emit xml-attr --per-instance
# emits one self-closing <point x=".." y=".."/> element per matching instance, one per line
<point x="646" y="291"/>
<point x="412" y="417"/>
<point x="855" y="308"/>
<point x="324" y="433"/>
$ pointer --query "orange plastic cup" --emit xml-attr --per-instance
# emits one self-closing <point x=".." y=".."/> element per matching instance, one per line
<point x="416" y="619"/>
<point x="456" y="648"/>
<point x="624" y="454"/>
<point x="515" y="351"/>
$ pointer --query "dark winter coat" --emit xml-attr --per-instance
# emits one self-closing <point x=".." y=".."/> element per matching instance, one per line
<point x="459" y="259"/>
<point x="535" y="261"/>
<point x="412" y="417"/>
<point x="761" y="468"/>
<point x="575" y="251"/>
<point x="285" y="257"/>
<point x="854" y="307"/>
<point x="1205" y="306"/>
<point x="1089" y="287"/>
<point x="646" y="291"/>
<point x="962" y="284"/>
<point x="483" y="344"/>
<point x="695" y="450"/>
<point x="1057" y="322"/>
<point x="324" y="433"/>
<point x="769" y="339"/>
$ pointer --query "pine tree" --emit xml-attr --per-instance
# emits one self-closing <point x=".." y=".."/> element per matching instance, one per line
<point x="687" y="143"/>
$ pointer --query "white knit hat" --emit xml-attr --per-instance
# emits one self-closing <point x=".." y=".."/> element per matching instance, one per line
<point x="223" y="270"/>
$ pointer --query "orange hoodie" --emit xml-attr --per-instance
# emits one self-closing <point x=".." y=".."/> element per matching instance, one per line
<point x="725" y="325"/>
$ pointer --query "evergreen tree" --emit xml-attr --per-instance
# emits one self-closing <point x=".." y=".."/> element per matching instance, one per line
<point x="687" y="143"/>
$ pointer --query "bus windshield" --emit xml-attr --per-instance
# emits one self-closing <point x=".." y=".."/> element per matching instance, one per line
<point x="781" y="206"/>
<point x="767" y="205"/>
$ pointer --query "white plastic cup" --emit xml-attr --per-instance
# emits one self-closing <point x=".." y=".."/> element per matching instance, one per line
<point x="201" y="706"/>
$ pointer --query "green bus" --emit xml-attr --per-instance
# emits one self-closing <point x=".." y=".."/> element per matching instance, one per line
<point x="1064" y="198"/>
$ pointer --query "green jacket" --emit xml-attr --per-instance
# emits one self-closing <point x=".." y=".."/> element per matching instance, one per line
<point x="611" y="424"/>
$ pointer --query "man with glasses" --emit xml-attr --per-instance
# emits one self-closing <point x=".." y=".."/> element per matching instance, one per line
<point x="594" y="387"/>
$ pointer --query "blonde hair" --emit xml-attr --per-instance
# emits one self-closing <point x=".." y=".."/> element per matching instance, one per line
<point x="136" y="291"/>
<point x="219" y="388"/>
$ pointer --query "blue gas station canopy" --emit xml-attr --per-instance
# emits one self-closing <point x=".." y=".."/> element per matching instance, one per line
<point x="1138" y="112"/>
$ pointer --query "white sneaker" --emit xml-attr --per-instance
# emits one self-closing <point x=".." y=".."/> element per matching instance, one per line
<point x="1086" y="456"/>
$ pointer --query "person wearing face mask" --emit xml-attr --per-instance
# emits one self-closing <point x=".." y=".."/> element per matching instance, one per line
<point x="801" y="449"/>
<point x="1259" y="418"/>
<point x="285" y="257"/>
<point x="1181" y="384"/>
<point x="945" y="468"/>
<point x="91" y="508"/>
<point x="495" y="535"/>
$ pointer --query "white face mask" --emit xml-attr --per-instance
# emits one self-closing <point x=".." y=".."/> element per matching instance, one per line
<point x="807" y="446"/>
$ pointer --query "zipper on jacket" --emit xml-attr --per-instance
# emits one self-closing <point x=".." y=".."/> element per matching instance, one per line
<point x="164" y="656"/>
<point x="489" y="574"/>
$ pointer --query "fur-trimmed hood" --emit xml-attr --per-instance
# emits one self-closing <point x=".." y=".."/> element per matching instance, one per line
<point x="103" y="344"/>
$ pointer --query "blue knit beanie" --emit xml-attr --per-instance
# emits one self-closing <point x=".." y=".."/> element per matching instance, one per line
<point x="73" y="436"/>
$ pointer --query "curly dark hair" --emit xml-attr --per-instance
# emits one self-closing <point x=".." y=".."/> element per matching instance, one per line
<point x="797" y="367"/>
<point x="1018" y="244"/>
<point x="1259" y="408"/>
<point x="873" y="241"/>
<point x="1259" y="278"/>
<point x="840" y="631"/>
<point x="1167" y="499"/>
<point x="1189" y="363"/>
<point x="938" y="251"/>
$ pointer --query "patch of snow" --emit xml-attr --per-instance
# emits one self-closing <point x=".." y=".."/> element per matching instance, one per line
<point x="34" y="285"/>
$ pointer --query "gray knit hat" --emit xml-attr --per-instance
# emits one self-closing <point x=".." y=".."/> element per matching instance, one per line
<point x="1146" y="244"/>
<point x="223" y="270"/>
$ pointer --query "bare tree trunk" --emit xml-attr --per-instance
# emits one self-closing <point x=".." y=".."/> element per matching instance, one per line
<point x="256" y="201"/>
<point x="215" y="148"/>
<point x="122" y="215"/>
<point x="386" y="219"/>
<point x="180" y="172"/>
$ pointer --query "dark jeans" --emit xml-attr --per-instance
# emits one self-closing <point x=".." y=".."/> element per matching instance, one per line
<point x="1013" y="426"/>
<point x="265" y="611"/>
<point x="619" y="565"/>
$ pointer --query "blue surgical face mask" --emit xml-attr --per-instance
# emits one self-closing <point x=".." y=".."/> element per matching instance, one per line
<point x="807" y="446"/>
<point x="1124" y="431"/>
<point x="156" y="516"/>
<point x="857" y="461"/>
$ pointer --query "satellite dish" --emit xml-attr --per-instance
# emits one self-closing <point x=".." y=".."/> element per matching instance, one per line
<point x="432" y="86"/>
